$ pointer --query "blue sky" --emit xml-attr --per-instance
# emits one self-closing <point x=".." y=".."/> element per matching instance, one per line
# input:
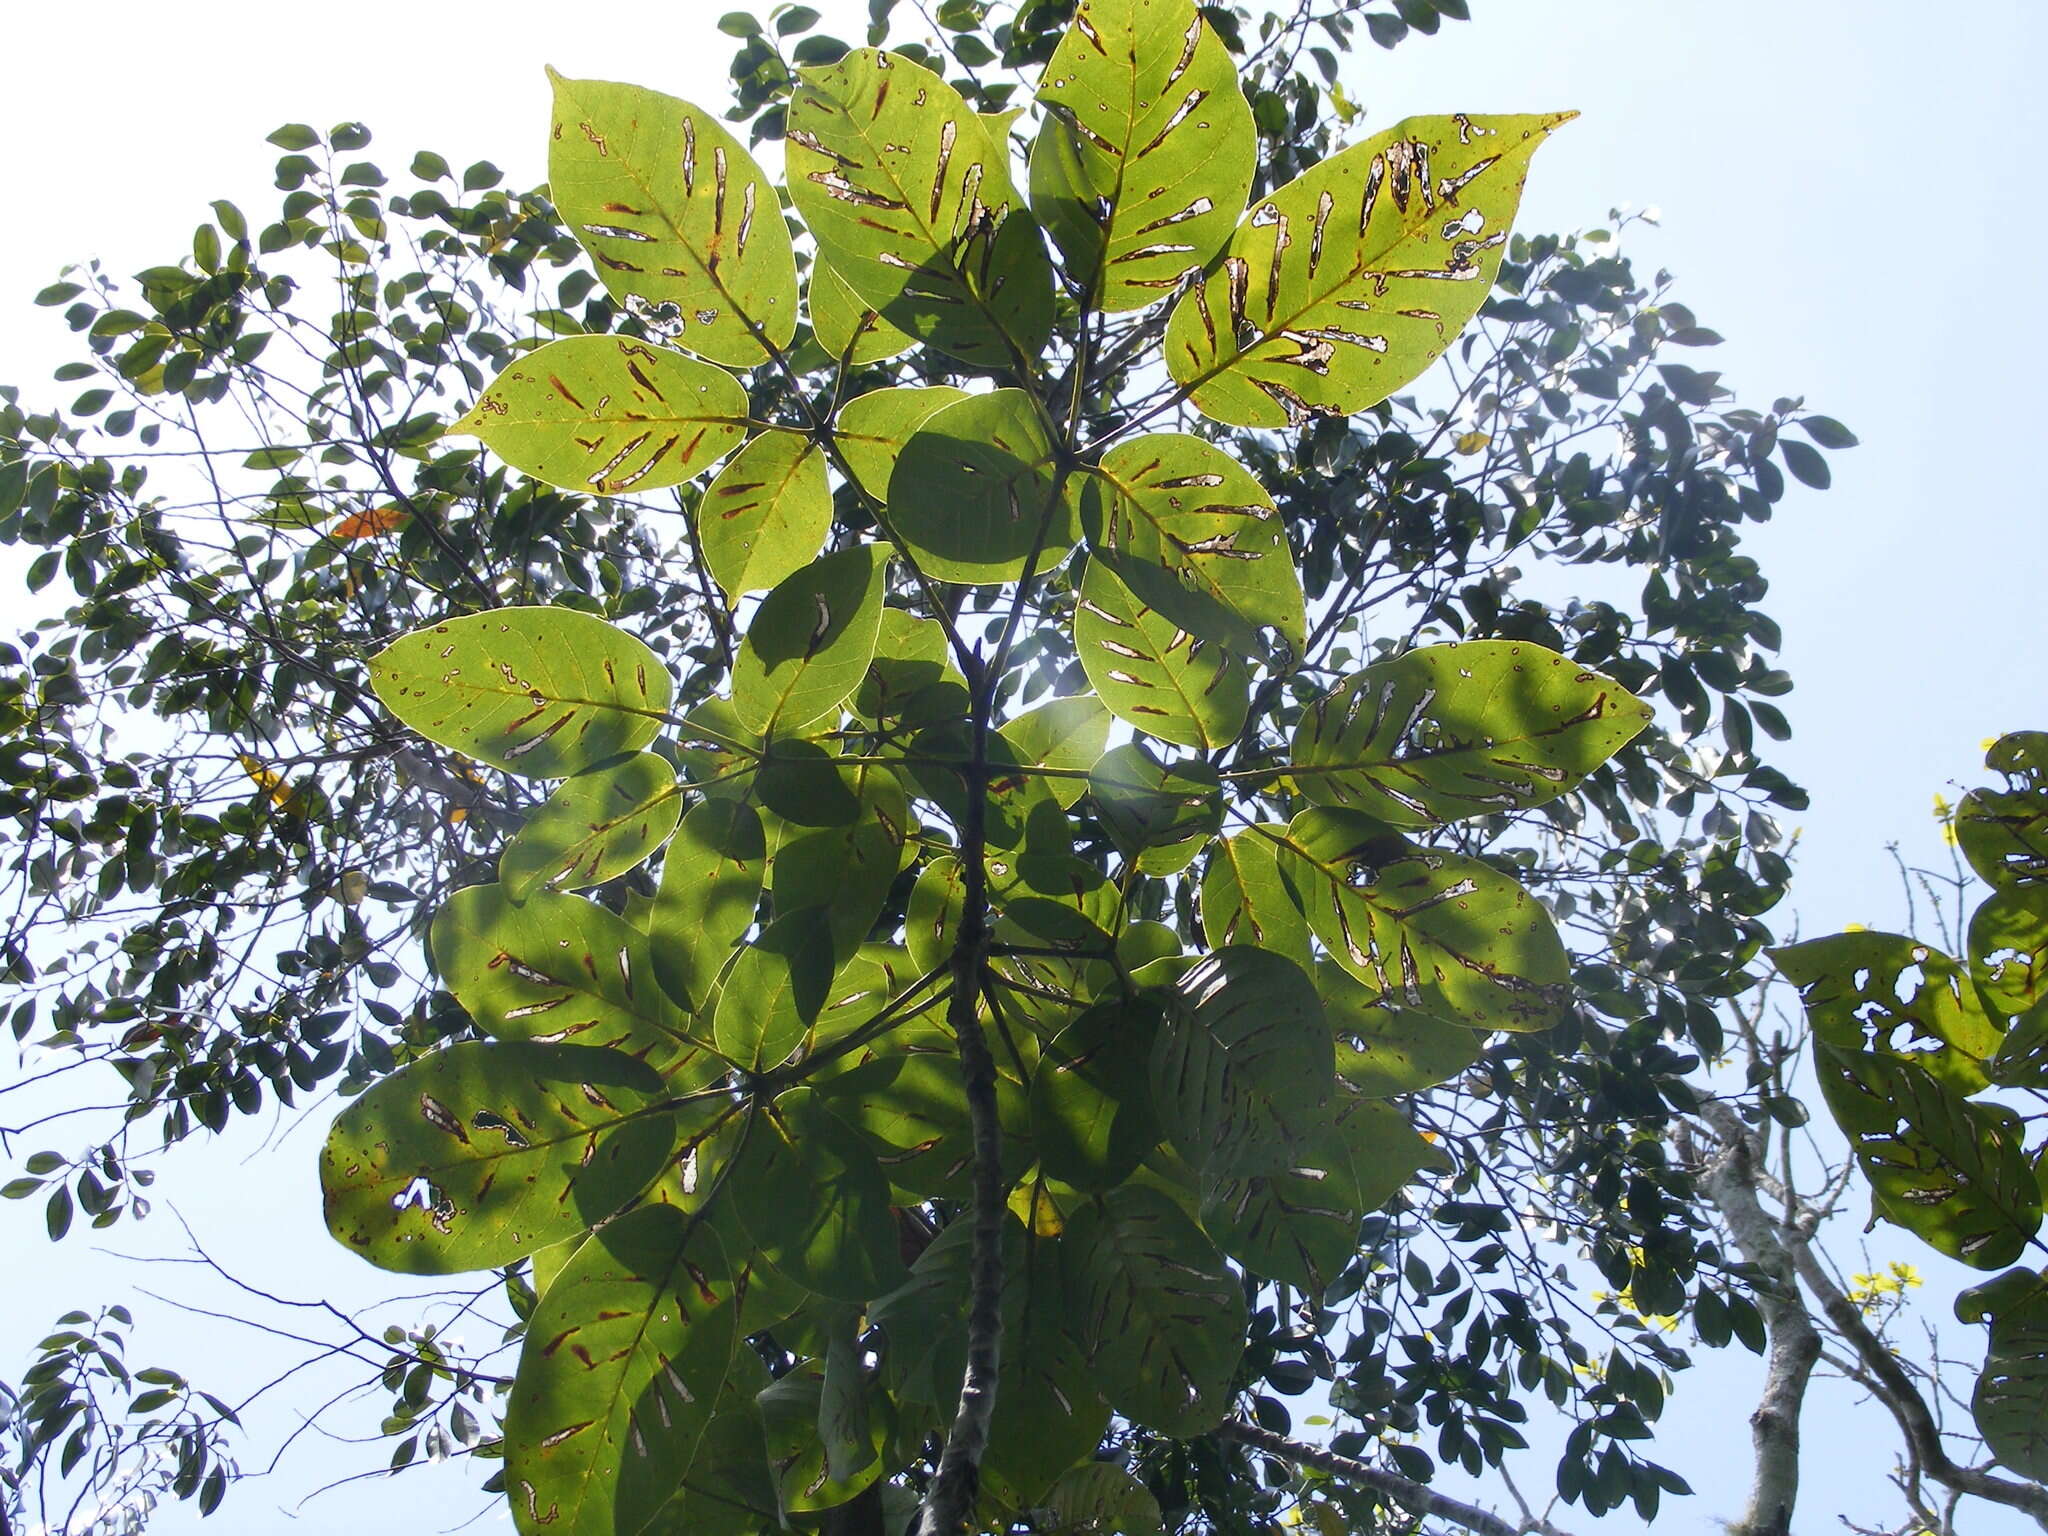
<point x="1846" y="194"/>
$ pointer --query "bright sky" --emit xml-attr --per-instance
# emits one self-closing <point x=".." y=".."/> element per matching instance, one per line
<point x="1844" y="186"/>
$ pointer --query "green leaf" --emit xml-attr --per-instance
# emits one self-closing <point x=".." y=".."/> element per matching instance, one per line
<point x="623" y="1364"/>
<point x="1242" y="1055"/>
<point x="1470" y="729"/>
<point x="1195" y="537"/>
<point x="2022" y="1059"/>
<point x="972" y="493"/>
<point x="608" y="414"/>
<point x="1141" y="168"/>
<point x="910" y="200"/>
<point x="871" y="429"/>
<point x="1159" y="815"/>
<point x="1151" y="673"/>
<point x="1297" y="1222"/>
<point x="2009" y="948"/>
<point x="2010" y="1403"/>
<point x="791" y="1408"/>
<point x="810" y="642"/>
<point x="773" y="993"/>
<point x="1092" y="1120"/>
<point x="847" y="327"/>
<point x="1427" y="929"/>
<point x="710" y="887"/>
<point x="2004" y="833"/>
<point x="931" y="919"/>
<point x="1054" y="898"/>
<point x="817" y="1202"/>
<point x="848" y="865"/>
<point x="1165" y="1314"/>
<point x="912" y="680"/>
<point x="686" y="232"/>
<point x="910" y="1107"/>
<point x="1887" y="993"/>
<point x="1068" y="734"/>
<point x="1100" y="1498"/>
<point x="1345" y="284"/>
<point x="1949" y="1171"/>
<point x="483" y="1152"/>
<point x="554" y="968"/>
<point x="597" y="825"/>
<point x="546" y="692"/>
<point x="1384" y="1051"/>
<point x="1245" y="899"/>
<point x="766" y="513"/>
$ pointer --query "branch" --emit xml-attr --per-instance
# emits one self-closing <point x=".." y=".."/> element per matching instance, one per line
<point x="1900" y="1394"/>
<point x="1730" y="1181"/>
<point x="1420" y="1501"/>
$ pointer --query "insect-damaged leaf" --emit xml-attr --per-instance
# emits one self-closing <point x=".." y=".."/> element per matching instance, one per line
<point x="810" y="642"/>
<point x="2009" y="948"/>
<point x="1243" y="1054"/>
<point x="972" y="492"/>
<point x="2004" y="833"/>
<point x="1141" y="169"/>
<point x="1153" y="674"/>
<point x="847" y="326"/>
<point x="1887" y="993"/>
<point x="1383" y="1051"/>
<point x="622" y="1365"/>
<point x="1953" y="1173"/>
<point x="1165" y="1315"/>
<point x="485" y="1151"/>
<point x="1468" y="729"/>
<point x="2010" y="1403"/>
<point x="608" y="414"/>
<point x="1159" y="815"/>
<point x="908" y="194"/>
<point x="1245" y="900"/>
<point x="554" y="968"/>
<point x="814" y="1198"/>
<point x="766" y="513"/>
<point x="546" y="692"/>
<point x="1195" y="537"/>
<point x="1427" y="929"/>
<point x="792" y="1408"/>
<point x="596" y="825"/>
<point x="1099" y="1497"/>
<point x="684" y="229"/>
<point x="710" y="887"/>
<point x="1346" y="283"/>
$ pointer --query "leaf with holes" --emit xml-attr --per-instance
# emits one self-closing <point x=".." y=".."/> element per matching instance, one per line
<point x="1383" y="1052"/>
<point x="710" y="887"/>
<point x="1165" y="1315"/>
<point x="1427" y="929"/>
<point x="483" y="1152"/>
<point x="766" y="514"/>
<point x="972" y="492"/>
<point x="2009" y="948"/>
<point x="908" y="194"/>
<point x="871" y="429"/>
<point x="1055" y="898"/>
<point x="685" y="231"/>
<point x="1196" y="538"/>
<point x="2022" y="1059"/>
<point x="2004" y="833"/>
<point x="595" y="826"/>
<point x="623" y="1363"/>
<point x="1468" y="729"/>
<point x="1153" y="674"/>
<point x="608" y="414"/>
<point x="810" y="642"/>
<point x="1887" y="993"/>
<point x="1345" y="284"/>
<point x="1246" y="900"/>
<point x="847" y="326"/>
<point x="814" y="1198"/>
<point x="554" y="968"/>
<point x="1091" y="1100"/>
<point x="1242" y="1055"/>
<point x="1099" y="1498"/>
<point x="2010" y="1404"/>
<point x="1141" y="168"/>
<point x="1949" y="1171"/>
<point x="805" y="1482"/>
<point x="546" y="692"/>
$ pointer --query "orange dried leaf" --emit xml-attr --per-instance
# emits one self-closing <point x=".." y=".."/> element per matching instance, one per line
<point x="369" y="524"/>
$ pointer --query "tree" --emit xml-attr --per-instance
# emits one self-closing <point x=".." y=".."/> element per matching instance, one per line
<point x="1060" y="900"/>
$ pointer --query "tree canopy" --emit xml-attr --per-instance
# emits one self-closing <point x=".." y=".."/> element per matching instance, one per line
<point x="932" y="804"/>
